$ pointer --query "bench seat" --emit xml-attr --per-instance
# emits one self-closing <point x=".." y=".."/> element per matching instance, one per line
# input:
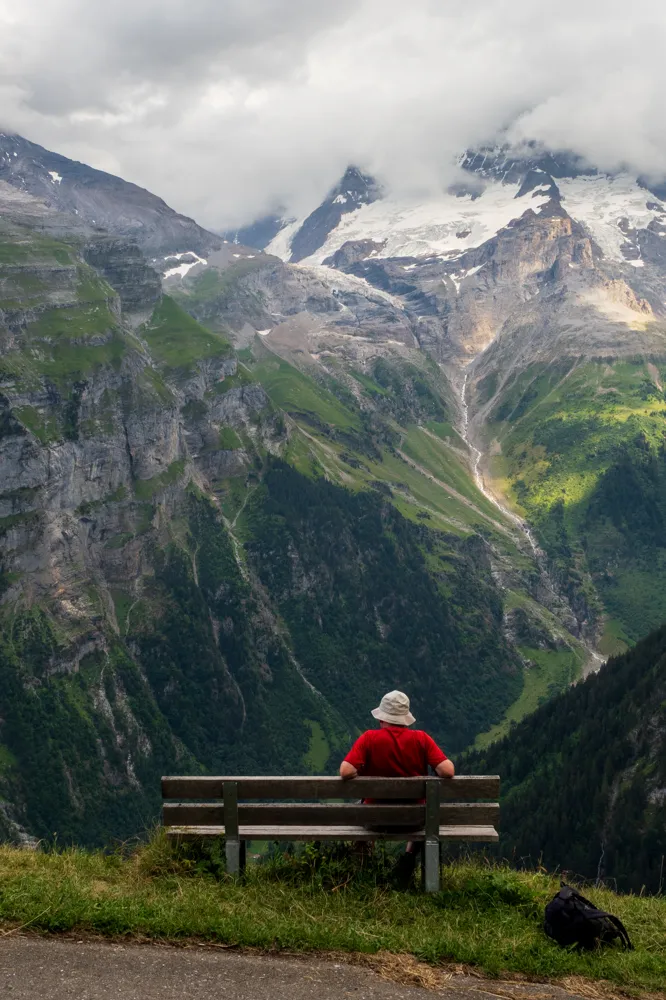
<point x="476" y="834"/>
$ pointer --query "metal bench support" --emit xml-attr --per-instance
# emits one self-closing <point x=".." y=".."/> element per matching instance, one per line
<point x="430" y="870"/>
<point x="236" y="853"/>
<point x="235" y="849"/>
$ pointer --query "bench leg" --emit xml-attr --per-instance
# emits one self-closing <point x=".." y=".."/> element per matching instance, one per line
<point x="236" y="852"/>
<point x="430" y="866"/>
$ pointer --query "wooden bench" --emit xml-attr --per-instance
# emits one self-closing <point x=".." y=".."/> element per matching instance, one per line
<point x="454" y="810"/>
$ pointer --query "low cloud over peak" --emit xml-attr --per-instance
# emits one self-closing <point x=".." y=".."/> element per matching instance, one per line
<point x="228" y="109"/>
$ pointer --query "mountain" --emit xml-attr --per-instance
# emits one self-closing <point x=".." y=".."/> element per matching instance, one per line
<point x="244" y="495"/>
<point x="100" y="199"/>
<point x="538" y="285"/>
<point x="584" y="777"/>
<point x="210" y="562"/>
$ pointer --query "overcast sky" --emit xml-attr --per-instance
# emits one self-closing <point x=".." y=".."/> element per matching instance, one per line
<point x="228" y="108"/>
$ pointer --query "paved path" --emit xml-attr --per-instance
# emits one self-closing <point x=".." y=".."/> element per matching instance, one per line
<point x="42" y="968"/>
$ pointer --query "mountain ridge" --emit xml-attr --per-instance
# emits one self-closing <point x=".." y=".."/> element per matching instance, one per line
<point x="100" y="198"/>
<point x="226" y="485"/>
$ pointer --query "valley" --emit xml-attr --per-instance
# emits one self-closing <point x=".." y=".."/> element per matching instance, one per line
<point x="245" y="487"/>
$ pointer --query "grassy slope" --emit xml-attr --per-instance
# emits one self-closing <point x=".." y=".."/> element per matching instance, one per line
<point x="489" y="917"/>
<point x="315" y="410"/>
<point x="565" y="431"/>
<point x="178" y="341"/>
<point x="429" y="479"/>
<point x="551" y="671"/>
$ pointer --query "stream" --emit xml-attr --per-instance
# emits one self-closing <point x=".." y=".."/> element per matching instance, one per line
<point x="595" y="661"/>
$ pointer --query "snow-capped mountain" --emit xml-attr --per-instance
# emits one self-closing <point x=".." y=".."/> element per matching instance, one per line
<point x="621" y="214"/>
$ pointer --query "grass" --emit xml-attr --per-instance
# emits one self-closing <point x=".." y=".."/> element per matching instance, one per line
<point x="613" y="640"/>
<point x="43" y="426"/>
<point x="486" y="915"/>
<point x="145" y="489"/>
<point x="446" y="465"/>
<point x="319" y="751"/>
<point x="294" y="392"/>
<point x="562" y="427"/>
<point x="229" y="440"/>
<point x="176" y="339"/>
<point x="62" y="361"/>
<point x="551" y="672"/>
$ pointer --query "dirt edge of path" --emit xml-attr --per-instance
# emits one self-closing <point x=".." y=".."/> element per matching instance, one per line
<point x="401" y="968"/>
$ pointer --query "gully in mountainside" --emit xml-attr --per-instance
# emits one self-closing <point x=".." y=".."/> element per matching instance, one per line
<point x="594" y="661"/>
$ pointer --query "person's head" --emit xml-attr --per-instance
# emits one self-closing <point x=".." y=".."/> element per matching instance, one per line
<point x="394" y="710"/>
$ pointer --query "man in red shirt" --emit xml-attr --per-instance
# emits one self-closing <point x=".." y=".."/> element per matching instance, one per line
<point x="395" y="750"/>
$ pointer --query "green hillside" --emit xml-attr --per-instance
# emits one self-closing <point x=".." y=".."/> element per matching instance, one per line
<point x="583" y="456"/>
<point x="210" y="564"/>
<point x="583" y="777"/>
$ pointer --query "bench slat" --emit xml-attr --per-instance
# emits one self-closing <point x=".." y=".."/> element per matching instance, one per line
<point x="466" y="834"/>
<point x="287" y="813"/>
<point x="465" y="788"/>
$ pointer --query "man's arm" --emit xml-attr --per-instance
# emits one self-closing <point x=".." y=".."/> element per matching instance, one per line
<point x="355" y="759"/>
<point x="445" y="769"/>
<point x="437" y="759"/>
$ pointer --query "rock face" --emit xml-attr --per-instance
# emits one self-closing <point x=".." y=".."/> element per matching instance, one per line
<point x="304" y="238"/>
<point x="416" y="465"/>
<point x="100" y="199"/>
<point x="174" y="595"/>
<point x="532" y="265"/>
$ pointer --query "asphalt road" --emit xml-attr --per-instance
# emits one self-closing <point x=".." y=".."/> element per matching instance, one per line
<point x="50" y="968"/>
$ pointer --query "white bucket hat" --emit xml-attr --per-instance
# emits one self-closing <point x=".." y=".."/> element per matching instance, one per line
<point x="394" y="707"/>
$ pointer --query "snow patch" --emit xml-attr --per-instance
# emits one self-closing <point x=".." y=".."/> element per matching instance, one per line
<point x="280" y="245"/>
<point x="340" y="200"/>
<point x="636" y="263"/>
<point x="446" y="224"/>
<point x="182" y="269"/>
<point x="603" y="203"/>
<point x="264" y="333"/>
<point x="338" y="281"/>
<point x="54" y="175"/>
<point x="459" y="276"/>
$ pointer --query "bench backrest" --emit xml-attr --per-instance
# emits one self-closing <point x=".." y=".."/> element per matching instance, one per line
<point x="233" y="801"/>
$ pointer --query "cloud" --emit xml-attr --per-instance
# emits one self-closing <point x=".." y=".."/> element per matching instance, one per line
<point x="228" y="109"/>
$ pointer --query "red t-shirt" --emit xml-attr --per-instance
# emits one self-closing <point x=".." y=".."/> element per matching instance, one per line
<point x="394" y="752"/>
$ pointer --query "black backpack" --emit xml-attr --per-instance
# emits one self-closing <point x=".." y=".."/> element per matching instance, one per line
<point x="572" y="919"/>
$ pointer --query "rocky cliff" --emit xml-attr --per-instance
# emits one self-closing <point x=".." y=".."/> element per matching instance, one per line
<point x="175" y="595"/>
<point x="242" y="501"/>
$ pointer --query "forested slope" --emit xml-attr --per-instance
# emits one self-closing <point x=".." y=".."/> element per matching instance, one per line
<point x="209" y="564"/>
<point x="584" y="777"/>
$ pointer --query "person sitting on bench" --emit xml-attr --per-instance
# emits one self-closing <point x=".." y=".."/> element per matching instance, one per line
<point x="396" y="751"/>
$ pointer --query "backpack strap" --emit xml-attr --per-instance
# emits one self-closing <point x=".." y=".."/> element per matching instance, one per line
<point x="576" y="895"/>
<point x="622" y="931"/>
